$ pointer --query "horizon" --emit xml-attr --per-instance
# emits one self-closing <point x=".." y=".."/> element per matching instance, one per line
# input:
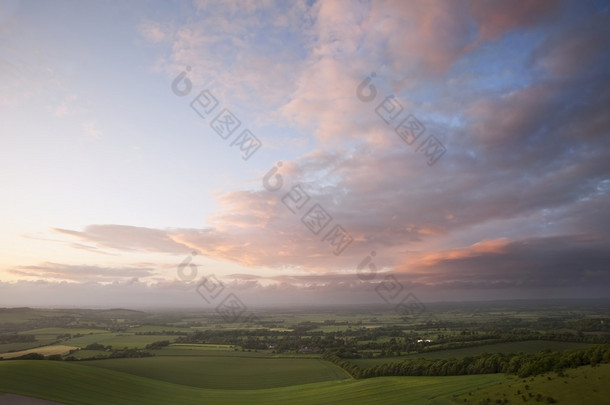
<point x="322" y="307"/>
<point x="304" y="153"/>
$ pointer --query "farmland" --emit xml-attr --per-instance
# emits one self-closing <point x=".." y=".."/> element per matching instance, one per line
<point x="223" y="372"/>
<point x="78" y="384"/>
<point x="335" y="355"/>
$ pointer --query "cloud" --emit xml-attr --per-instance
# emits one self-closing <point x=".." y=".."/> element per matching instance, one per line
<point x="315" y="54"/>
<point x="480" y="248"/>
<point x="247" y="52"/>
<point x="583" y="45"/>
<point x="553" y="267"/>
<point x="494" y="18"/>
<point x="519" y="200"/>
<point x="549" y="262"/>
<point x="392" y="203"/>
<point x="81" y="273"/>
<point x="127" y="238"/>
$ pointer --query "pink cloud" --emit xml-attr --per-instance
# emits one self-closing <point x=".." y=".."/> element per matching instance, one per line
<point x="429" y="259"/>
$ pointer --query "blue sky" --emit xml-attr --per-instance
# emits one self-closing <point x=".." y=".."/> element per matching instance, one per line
<point x="111" y="180"/>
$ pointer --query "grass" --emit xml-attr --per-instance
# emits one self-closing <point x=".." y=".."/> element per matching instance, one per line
<point x="75" y="384"/>
<point x="527" y="347"/>
<point x="583" y="385"/>
<point x="45" y="350"/>
<point x="224" y="372"/>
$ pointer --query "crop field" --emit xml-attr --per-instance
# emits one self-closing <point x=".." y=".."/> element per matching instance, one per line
<point x="73" y="383"/>
<point x="46" y="351"/>
<point x="223" y="372"/>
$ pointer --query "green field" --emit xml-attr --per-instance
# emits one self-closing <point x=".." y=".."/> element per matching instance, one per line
<point x="13" y="347"/>
<point x="75" y="383"/>
<point x="583" y="385"/>
<point x="527" y="347"/>
<point x="224" y="372"/>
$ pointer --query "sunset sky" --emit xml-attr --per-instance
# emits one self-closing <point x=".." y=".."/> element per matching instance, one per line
<point x="465" y="143"/>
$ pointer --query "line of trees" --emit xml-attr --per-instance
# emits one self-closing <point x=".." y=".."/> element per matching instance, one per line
<point x="157" y="345"/>
<point x="523" y="365"/>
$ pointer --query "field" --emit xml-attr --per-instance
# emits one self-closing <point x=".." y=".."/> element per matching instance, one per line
<point x="46" y="351"/>
<point x="224" y="372"/>
<point x="13" y="347"/>
<point x="74" y="383"/>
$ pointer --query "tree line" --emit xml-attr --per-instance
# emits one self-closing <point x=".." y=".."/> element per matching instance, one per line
<point x="522" y="365"/>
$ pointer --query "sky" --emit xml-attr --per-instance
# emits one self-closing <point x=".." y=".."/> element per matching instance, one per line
<point x="180" y="154"/>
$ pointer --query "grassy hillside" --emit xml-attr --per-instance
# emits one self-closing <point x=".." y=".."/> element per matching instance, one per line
<point x="74" y="383"/>
<point x="583" y="385"/>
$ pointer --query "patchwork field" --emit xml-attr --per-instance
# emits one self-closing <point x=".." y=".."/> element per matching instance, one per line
<point x="301" y="357"/>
